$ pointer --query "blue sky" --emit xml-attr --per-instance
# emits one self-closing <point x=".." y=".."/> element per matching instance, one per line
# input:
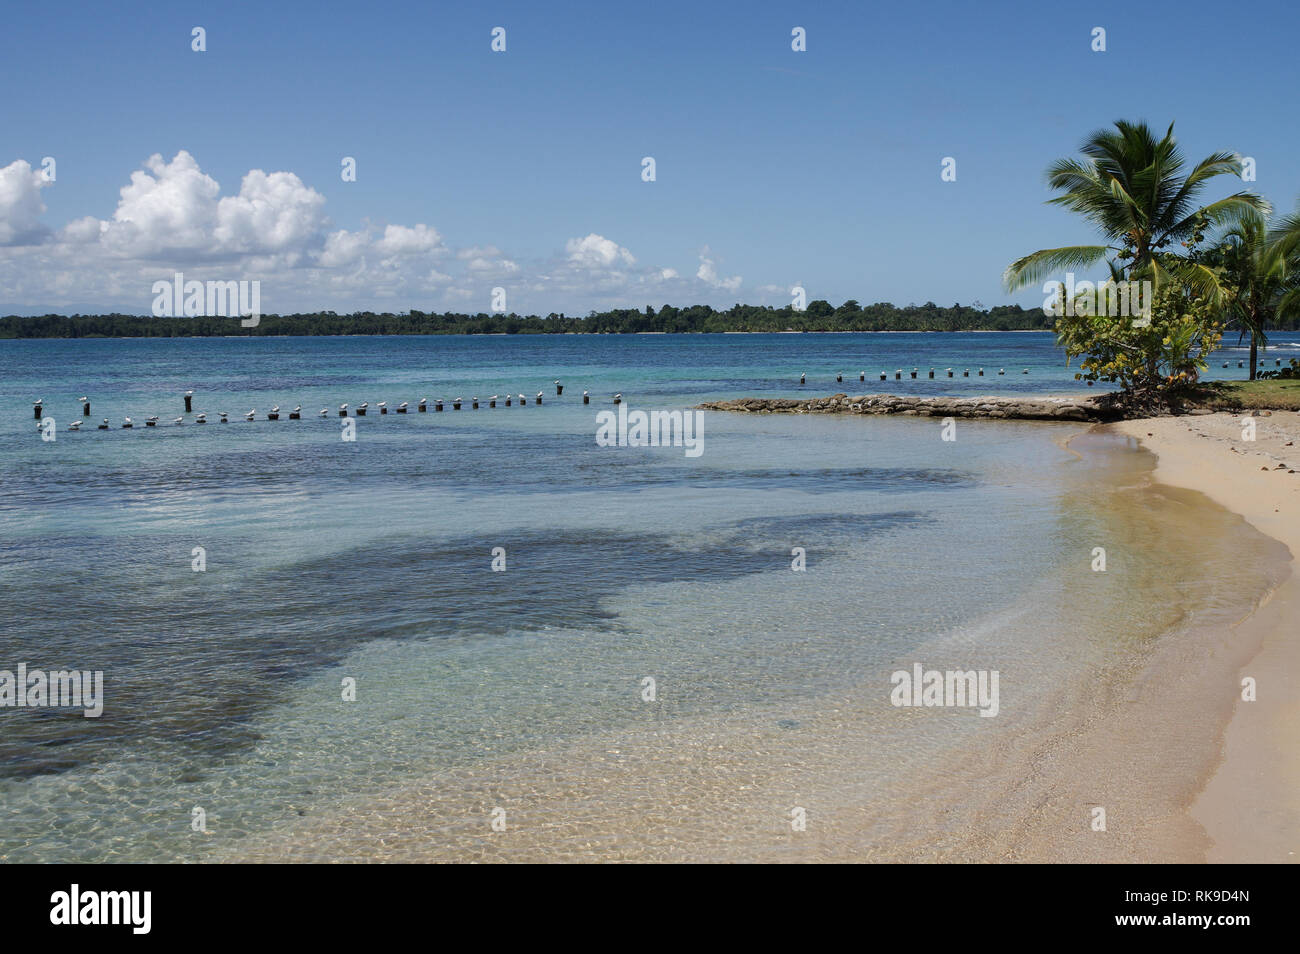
<point x="522" y="169"/>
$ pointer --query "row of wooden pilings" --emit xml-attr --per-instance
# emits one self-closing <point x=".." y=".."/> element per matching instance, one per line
<point x="344" y="410"/>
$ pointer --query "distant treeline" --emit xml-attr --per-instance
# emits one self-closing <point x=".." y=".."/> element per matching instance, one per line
<point x="698" y="319"/>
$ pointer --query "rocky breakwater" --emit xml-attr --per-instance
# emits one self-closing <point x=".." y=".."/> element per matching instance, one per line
<point x="1004" y="408"/>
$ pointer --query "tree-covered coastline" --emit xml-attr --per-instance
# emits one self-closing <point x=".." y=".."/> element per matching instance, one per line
<point x="697" y="319"/>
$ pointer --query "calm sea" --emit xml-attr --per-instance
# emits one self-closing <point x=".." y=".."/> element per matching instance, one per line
<point x="331" y="563"/>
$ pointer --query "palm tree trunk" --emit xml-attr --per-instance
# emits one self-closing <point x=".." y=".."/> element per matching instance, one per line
<point x="1254" y="354"/>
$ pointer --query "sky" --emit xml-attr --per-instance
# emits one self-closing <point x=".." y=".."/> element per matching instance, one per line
<point x="522" y="169"/>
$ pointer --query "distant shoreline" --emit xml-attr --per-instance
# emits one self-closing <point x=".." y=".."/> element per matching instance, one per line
<point x="503" y="334"/>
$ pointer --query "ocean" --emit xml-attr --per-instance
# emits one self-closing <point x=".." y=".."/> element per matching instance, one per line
<point x="307" y="654"/>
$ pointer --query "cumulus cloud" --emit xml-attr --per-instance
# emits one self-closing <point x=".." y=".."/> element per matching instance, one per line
<point x="597" y="252"/>
<point x="401" y="240"/>
<point x="173" y="216"/>
<point x="166" y="205"/>
<point x="21" y="207"/>
<point x="487" y="260"/>
<point x="271" y="213"/>
<point x="343" y="248"/>
<point x="708" y="273"/>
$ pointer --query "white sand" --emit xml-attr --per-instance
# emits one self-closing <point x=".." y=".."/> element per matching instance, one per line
<point x="1250" y="808"/>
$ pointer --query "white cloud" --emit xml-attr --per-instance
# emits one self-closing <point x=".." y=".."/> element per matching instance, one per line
<point x="174" y="208"/>
<point x="597" y="252"/>
<point x="479" y="251"/>
<point x="401" y="240"/>
<point x="275" y="212"/>
<point x="497" y="266"/>
<point x="21" y="207"/>
<point x="171" y="216"/>
<point x="708" y="273"/>
<point x="343" y="248"/>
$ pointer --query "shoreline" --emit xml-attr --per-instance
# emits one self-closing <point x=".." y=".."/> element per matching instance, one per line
<point x="1249" y="806"/>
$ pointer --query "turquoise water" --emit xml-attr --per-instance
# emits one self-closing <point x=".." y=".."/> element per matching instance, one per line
<point x="370" y="560"/>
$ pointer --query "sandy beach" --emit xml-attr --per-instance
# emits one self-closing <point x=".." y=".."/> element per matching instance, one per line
<point x="1250" y="807"/>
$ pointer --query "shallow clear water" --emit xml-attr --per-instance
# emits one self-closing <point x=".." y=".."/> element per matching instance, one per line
<point x="370" y="560"/>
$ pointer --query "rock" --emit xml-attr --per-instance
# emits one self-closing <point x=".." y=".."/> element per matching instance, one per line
<point x="1045" y="409"/>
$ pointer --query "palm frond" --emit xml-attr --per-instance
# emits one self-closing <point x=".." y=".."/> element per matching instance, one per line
<point x="1037" y="266"/>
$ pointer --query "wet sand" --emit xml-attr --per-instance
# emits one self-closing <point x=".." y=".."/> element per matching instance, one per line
<point x="1250" y="807"/>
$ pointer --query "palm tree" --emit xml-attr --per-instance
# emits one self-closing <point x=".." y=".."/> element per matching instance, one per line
<point x="1131" y="186"/>
<point x="1284" y="239"/>
<point x="1260" y="272"/>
